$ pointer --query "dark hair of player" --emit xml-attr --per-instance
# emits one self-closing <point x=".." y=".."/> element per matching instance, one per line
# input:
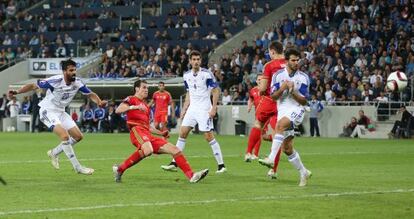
<point x="66" y="63"/>
<point x="161" y="82"/>
<point x="290" y="52"/>
<point x="138" y="83"/>
<point x="276" y="46"/>
<point x="194" y="53"/>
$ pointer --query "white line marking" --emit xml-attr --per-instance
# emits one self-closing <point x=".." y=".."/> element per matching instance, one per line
<point x="198" y="202"/>
<point x="199" y="156"/>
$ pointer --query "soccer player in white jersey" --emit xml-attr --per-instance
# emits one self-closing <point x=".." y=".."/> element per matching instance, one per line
<point x="290" y="87"/>
<point x="198" y="108"/>
<point x="60" y="91"/>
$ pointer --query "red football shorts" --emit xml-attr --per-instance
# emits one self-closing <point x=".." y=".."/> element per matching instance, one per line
<point x="160" y="117"/>
<point x="272" y="121"/>
<point x="266" y="109"/>
<point x="139" y="136"/>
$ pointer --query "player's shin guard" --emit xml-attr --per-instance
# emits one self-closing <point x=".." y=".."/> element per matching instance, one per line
<point x="180" y="145"/>
<point x="182" y="163"/>
<point x="131" y="160"/>
<point x="276" y="143"/>
<point x="58" y="149"/>
<point x="216" y="151"/>
<point x="295" y="160"/>
<point x="67" y="148"/>
<point x="254" y="137"/>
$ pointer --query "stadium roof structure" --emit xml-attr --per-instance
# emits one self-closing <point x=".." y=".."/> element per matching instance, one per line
<point x="120" y="88"/>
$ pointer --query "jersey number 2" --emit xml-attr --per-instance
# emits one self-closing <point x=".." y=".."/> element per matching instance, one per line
<point x="65" y="96"/>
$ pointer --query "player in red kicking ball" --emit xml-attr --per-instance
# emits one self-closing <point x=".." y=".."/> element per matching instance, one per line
<point x="138" y="120"/>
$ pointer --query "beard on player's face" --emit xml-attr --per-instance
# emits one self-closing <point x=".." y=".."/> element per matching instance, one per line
<point x="70" y="77"/>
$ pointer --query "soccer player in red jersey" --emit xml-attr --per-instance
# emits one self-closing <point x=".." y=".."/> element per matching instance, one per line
<point x="267" y="106"/>
<point x="162" y="99"/>
<point x="138" y="121"/>
<point x="254" y="99"/>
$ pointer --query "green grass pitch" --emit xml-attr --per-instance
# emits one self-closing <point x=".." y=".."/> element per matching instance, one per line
<point x="352" y="178"/>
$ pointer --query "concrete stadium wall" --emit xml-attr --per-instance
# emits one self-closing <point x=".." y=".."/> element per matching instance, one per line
<point x="331" y="120"/>
<point x="16" y="73"/>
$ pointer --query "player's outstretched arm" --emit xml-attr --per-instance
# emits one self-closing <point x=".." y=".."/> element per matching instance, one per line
<point x="95" y="98"/>
<point x="185" y="105"/>
<point x="299" y="98"/>
<point x="158" y="132"/>
<point x="249" y="104"/>
<point x="24" y="89"/>
<point x="216" y="94"/>
<point x="263" y="85"/>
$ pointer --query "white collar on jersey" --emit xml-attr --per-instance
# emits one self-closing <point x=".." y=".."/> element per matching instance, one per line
<point x="195" y="73"/>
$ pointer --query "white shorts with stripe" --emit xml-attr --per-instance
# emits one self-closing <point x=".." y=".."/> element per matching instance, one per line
<point x="202" y="118"/>
<point x="51" y="118"/>
<point x="294" y="114"/>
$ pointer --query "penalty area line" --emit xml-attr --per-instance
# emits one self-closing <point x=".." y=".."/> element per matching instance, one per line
<point x="212" y="201"/>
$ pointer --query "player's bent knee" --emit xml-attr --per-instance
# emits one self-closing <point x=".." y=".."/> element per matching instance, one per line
<point x="64" y="137"/>
<point x="175" y="151"/>
<point x="209" y="136"/>
<point x="147" y="149"/>
<point x="78" y="138"/>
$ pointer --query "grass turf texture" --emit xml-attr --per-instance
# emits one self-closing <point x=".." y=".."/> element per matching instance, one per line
<point x="352" y="178"/>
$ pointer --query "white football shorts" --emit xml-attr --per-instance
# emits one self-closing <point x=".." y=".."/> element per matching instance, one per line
<point x="51" y="118"/>
<point x="192" y="118"/>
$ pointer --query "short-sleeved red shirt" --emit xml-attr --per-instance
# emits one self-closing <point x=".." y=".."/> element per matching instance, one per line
<point x="270" y="69"/>
<point x="138" y="117"/>
<point x="161" y="100"/>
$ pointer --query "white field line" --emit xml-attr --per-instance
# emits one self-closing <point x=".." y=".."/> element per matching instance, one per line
<point x="211" y="201"/>
<point x="197" y="156"/>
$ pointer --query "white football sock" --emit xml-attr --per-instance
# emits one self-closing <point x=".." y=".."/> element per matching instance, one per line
<point x="294" y="159"/>
<point x="58" y="149"/>
<point x="180" y="144"/>
<point x="276" y="143"/>
<point x="67" y="148"/>
<point x="216" y="151"/>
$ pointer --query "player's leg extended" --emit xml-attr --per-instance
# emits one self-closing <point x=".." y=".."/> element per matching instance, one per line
<point x="283" y="124"/>
<point x="184" y="130"/>
<point x="254" y="139"/>
<point x="143" y="151"/>
<point x="182" y="163"/>
<point x="75" y="136"/>
<point x="215" y="147"/>
<point x="68" y="150"/>
<point x="272" y="123"/>
<point x="295" y="160"/>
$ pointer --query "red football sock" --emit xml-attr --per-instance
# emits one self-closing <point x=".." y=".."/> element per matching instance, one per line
<point x="257" y="147"/>
<point x="131" y="161"/>
<point x="277" y="159"/>
<point x="254" y="137"/>
<point x="183" y="164"/>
